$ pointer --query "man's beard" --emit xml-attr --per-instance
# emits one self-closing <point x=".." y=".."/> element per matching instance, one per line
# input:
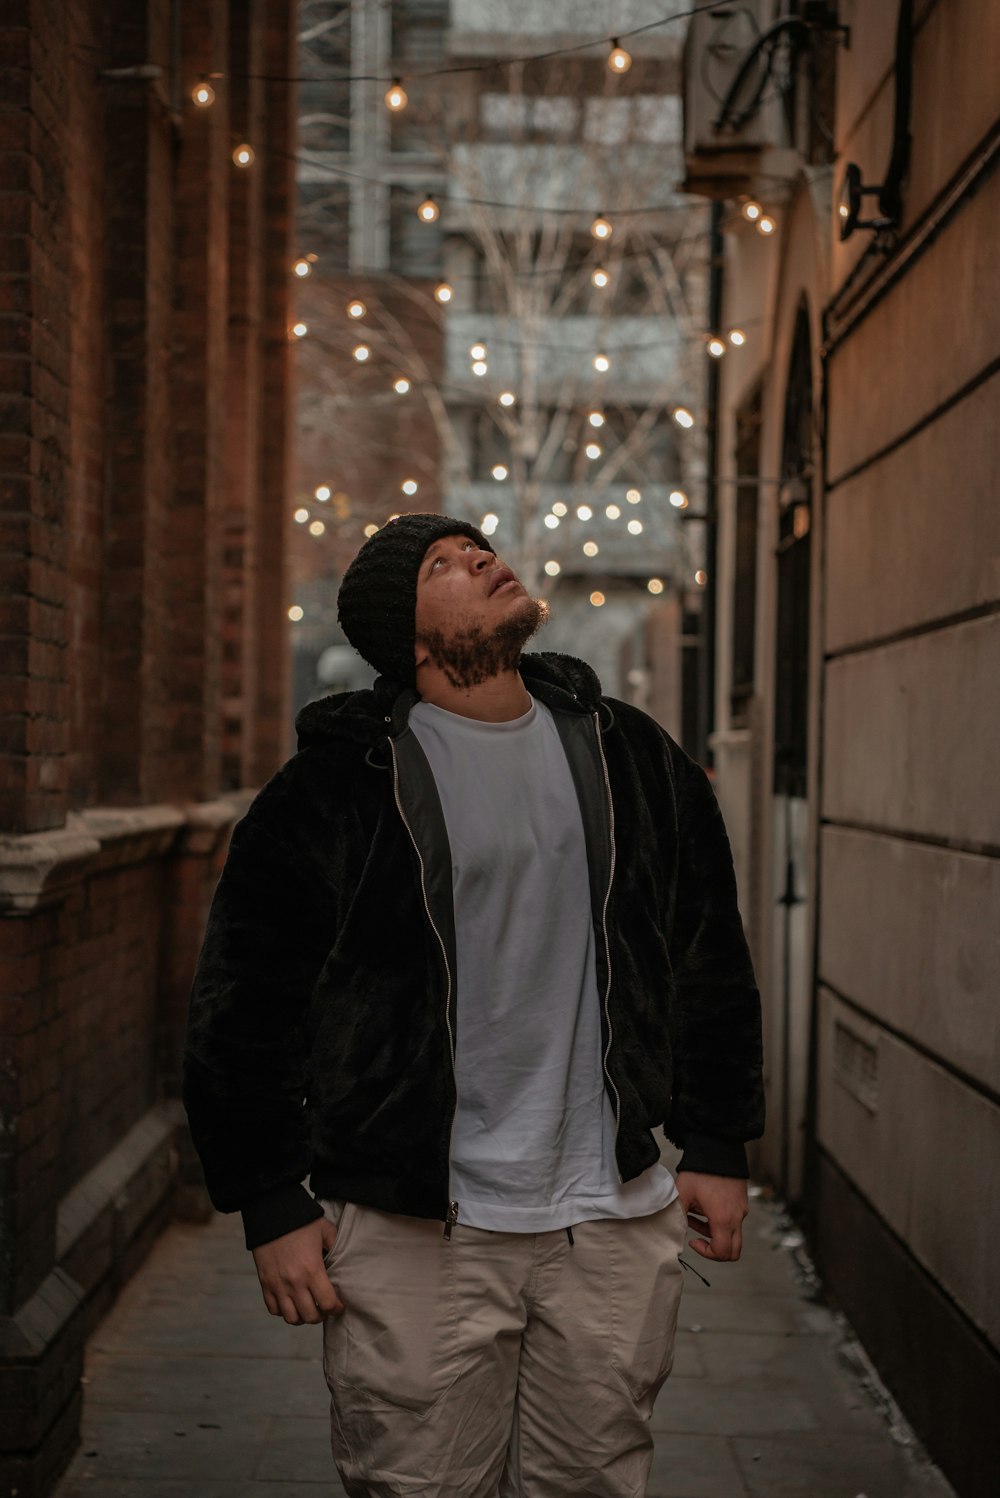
<point x="474" y="655"/>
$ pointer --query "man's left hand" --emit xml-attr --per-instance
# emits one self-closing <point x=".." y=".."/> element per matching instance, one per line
<point x="715" y="1207"/>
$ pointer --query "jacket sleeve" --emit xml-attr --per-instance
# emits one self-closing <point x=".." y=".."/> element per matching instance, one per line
<point x="244" y="1075"/>
<point x="718" y="1099"/>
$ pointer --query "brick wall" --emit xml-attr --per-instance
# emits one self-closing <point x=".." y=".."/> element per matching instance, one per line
<point x="144" y="285"/>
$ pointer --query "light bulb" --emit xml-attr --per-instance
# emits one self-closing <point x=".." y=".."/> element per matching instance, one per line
<point x="766" y="225"/>
<point x="716" y="347"/>
<point x="596" y="418"/>
<point x="551" y="521"/>
<point x="370" y="530"/>
<point x="361" y="352"/>
<point x="601" y="228"/>
<point x="619" y="61"/>
<point x="612" y="512"/>
<point x="599" y="276"/>
<point x="203" y="94"/>
<point x="323" y="493"/>
<point x="302" y="267"/>
<point x="480" y="367"/>
<point x="590" y="548"/>
<point x="602" y="363"/>
<point x="301" y="515"/>
<point x="300" y="329"/>
<point x="477" y="351"/>
<point x="597" y="599"/>
<point x="396" y="97"/>
<point x="559" y="508"/>
<point x="553" y="569"/>
<point x="316" y="528"/>
<point x="489" y="524"/>
<point x="655" y="585"/>
<point x="635" y="527"/>
<point x="683" y="417"/>
<point x="295" y="613"/>
<point x="499" y="472"/>
<point x="584" y="512"/>
<point x="428" y="211"/>
<point x="443" y="292"/>
<point x="701" y="577"/>
<point x="678" y="499"/>
<point x="593" y="450"/>
<point x="244" y="155"/>
<point x="507" y="398"/>
<point x="751" y="210"/>
<point x="633" y="496"/>
<point x="737" y="337"/>
<point x="356" y="308"/>
<point x="401" y="385"/>
<point x="409" y="486"/>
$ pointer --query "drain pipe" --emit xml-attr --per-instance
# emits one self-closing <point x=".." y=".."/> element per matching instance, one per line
<point x="706" y="673"/>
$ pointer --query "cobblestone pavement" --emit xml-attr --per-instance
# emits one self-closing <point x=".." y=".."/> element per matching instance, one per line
<point x="194" y="1391"/>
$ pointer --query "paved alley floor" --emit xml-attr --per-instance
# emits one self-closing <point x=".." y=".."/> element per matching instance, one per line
<point x="194" y="1391"/>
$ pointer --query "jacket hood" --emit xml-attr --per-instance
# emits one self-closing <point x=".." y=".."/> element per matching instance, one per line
<point x="372" y="715"/>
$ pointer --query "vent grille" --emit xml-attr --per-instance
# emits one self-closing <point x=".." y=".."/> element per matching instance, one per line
<point x="855" y="1065"/>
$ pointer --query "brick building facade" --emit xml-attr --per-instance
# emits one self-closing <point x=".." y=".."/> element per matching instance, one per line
<point x="144" y="436"/>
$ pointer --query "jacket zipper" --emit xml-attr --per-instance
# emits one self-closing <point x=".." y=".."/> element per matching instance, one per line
<point x="452" y="1215"/>
<point x="607" y="944"/>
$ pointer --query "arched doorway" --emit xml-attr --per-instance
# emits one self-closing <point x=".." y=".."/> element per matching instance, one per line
<point x="790" y="955"/>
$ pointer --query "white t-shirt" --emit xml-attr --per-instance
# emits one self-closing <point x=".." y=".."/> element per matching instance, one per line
<point x="533" y="1140"/>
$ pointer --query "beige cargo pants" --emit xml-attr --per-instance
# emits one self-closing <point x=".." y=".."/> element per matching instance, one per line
<point x="499" y="1363"/>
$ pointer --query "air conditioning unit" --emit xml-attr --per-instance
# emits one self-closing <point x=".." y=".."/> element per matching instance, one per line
<point x="737" y="71"/>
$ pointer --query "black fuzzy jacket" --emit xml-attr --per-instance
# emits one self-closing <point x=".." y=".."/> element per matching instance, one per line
<point x="321" y="1033"/>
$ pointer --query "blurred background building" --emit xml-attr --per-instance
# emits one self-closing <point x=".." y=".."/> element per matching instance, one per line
<point x="858" y="651"/>
<point x="473" y="343"/>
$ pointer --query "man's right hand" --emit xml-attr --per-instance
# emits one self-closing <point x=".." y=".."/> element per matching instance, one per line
<point x="293" y="1276"/>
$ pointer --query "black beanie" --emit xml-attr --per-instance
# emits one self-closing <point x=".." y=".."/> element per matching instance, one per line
<point x="377" y="602"/>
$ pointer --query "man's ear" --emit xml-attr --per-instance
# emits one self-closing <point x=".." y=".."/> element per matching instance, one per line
<point x="420" y="653"/>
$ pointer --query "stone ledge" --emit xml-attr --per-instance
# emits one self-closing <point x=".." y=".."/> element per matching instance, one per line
<point x="39" y="869"/>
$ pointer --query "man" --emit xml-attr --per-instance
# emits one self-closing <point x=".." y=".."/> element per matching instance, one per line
<point x="471" y="945"/>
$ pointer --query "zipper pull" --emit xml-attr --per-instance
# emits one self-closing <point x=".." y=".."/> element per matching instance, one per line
<point x="450" y="1220"/>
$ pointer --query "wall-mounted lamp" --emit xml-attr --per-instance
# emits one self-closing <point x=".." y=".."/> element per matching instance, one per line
<point x="849" y="201"/>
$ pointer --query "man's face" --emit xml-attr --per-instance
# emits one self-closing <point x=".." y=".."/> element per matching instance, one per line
<point x="473" y="616"/>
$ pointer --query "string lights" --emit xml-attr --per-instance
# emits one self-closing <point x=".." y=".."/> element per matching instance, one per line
<point x="244" y="155"/>
<point x="203" y="94"/>
<point x="737" y="337"/>
<point x="428" y="211"/>
<point x="299" y="329"/>
<point x="499" y="472"/>
<point x="396" y="97"/>
<point x="599" y="277"/>
<point x="552" y="569"/>
<point x="489" y="524"/>
<point x="409" y="486"/>
<point x="602" y="228"/>
<point x="619" y="61"/>
<point x="507" y="398"/>
<point x="602" y="363"/>
<point x="356" y="308"/>
<point x="590" y="548"/>
<point x="559" y="509"/>
<point x="443" y="293"/>
<point x="401" y="385"/>
<point x="765" y="225"/>
<point x="597" y="598"/>
<point x="655" y="585"/>
<point x="295" y="613"/>
<point x="678" y="499"/>
<point x="323" y="493"/>
<point x="683" y="417"/>
<point x="302" y="267"/>
<point x="361" y="352"/>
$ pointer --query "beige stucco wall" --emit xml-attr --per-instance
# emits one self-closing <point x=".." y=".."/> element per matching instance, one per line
<point x="909" y="950"/>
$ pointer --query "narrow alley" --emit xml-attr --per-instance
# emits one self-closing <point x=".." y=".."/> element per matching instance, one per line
<point x="193" y="1391"/>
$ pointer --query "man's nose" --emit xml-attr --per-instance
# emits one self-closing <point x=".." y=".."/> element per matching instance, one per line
<point x="481" y="560"/>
